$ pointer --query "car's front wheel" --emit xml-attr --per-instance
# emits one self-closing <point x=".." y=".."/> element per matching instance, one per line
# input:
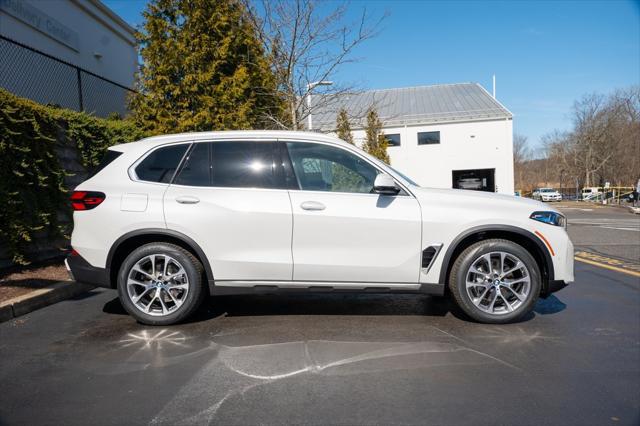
<point x="160" y="284"/>
<point x="495" y="281"/>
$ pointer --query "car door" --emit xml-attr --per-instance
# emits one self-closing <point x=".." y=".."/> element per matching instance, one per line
<point x="228" y="196"/>
<point x="342" y="231"/>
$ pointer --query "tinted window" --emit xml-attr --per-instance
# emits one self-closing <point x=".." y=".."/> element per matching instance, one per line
<point x="325" y="168"/>
<point x="245" y="165"/>
<point x="393" y="139"/>
<point x="161" y="164"/>
<point x="196" y="169"/>
<point x="109" y="156"/>
<point x="428" y="138"/>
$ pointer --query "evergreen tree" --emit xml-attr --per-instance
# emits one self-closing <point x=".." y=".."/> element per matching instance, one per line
<point x="375" y="142"/>
<point x="203" y="68"/>
<point x="344" y="179"/>
<point x="343" y="128"/>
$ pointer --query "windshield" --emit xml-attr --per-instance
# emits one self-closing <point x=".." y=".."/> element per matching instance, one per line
<point x="547" y="190"/>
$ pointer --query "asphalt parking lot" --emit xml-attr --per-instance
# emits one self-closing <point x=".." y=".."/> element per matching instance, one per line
<point x="607" y="231"/>
<point x="330" y="359"/>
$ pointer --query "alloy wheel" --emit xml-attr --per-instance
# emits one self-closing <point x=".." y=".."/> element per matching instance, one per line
<point x="498" y="283"/>
<point x="157" y="285"/>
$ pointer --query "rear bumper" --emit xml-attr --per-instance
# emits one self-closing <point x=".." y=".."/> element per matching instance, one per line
<point x="82" y="271"/>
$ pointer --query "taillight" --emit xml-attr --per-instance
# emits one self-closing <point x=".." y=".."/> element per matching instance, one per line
<point x="86" y="200"/>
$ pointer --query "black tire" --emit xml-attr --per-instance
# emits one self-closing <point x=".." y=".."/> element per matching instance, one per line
<point x="460" y="268"/>
<point x="193" y="269"/>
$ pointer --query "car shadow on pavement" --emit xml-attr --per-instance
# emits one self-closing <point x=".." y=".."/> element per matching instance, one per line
<point x="114" y="307"/>
<point x="550" y="305"/>
<point x="311" y="304"/>
<point x="330" y="304"/>
<point x="335" y="304"/>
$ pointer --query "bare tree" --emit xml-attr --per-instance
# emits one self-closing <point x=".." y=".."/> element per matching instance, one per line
<point x="520" y="156"/>
<point x="308" y="46"/>
<point x="603" y="146"/>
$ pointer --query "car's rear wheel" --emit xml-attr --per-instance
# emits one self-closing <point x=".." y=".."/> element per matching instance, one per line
<point x="160" y="284"/>
<point x="495" y="281"/>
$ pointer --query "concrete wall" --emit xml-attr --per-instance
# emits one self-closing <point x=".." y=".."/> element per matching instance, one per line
<point x="82" y="32"/>
<point x="463" y="146"/>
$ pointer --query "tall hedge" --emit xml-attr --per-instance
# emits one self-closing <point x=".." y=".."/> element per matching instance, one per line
<point x="32" y="179"/>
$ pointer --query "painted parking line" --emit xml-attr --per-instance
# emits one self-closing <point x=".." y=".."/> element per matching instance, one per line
<point x="631" y="225"/>
<point x="620" y="229"/>
<point x="617" y="265"/>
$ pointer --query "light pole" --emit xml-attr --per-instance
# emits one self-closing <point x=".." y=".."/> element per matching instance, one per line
<point x="310" y="87"/>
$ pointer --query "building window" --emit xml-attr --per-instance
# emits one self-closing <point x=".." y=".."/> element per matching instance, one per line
<point x="428" y="138"/>
<point x="393" y="139"/>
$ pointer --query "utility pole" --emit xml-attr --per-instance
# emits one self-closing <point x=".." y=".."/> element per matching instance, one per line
<point x="310" y="87"/>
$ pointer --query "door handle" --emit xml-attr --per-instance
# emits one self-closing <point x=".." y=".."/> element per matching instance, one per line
<point x="187" y="199"/>
<point x="312" y="205"/>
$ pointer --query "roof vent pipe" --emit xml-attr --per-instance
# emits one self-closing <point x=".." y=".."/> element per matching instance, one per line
<point x="494" y="86"/>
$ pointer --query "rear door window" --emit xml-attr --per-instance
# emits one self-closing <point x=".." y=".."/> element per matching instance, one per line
<point x="197" y="167"/>
<point x="244" y="164"/>
<point x="161" y="164"/>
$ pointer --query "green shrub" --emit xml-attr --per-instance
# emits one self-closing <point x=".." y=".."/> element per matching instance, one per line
<point x="32" y="189"/>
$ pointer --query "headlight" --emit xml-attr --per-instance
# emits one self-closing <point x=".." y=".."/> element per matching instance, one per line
<point x="552" y="218"/>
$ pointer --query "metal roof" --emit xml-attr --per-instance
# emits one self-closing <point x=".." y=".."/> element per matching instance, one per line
<point x="414" y="106"/>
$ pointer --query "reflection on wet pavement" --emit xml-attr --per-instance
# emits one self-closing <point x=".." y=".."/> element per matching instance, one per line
<point x="327" y="359"/>
<point x="227" y="365"/>
<point x="236" y="370"/>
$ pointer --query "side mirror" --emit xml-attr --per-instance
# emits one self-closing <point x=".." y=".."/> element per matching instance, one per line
<point x="385" y="185"/>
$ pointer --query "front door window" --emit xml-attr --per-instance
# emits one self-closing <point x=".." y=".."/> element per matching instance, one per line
<point x="325" y="168"/>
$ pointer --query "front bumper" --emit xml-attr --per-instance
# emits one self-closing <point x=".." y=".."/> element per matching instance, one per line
<point x="83" y="272"/>
<point x="552" y="287"/>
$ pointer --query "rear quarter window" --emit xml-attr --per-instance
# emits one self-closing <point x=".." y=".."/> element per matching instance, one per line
<point x="161" y="164"/>
<point x="108" y="158"/>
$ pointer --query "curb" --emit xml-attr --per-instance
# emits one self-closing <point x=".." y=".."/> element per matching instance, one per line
<point x="40" y="298"/>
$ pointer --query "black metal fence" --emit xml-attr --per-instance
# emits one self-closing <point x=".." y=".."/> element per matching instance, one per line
<point x="32" y="74"/>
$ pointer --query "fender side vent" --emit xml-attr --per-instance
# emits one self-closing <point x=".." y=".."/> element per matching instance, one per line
<point x="428" y="256"/>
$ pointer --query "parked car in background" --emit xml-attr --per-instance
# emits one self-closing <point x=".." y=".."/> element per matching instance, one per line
<point x="546" y="194"/>
<point x="170" y="220"/>
<point x="470" y="183"/>
<point x="589" y="194"/>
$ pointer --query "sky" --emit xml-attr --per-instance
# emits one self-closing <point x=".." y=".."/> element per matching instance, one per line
<point x="545" y="54"/>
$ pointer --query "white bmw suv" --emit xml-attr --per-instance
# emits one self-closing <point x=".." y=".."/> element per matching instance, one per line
<point x="172" y="219"/>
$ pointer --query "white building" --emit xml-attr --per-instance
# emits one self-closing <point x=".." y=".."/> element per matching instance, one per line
<point x="442" y="136"/>
<point x="75" y="53"/>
